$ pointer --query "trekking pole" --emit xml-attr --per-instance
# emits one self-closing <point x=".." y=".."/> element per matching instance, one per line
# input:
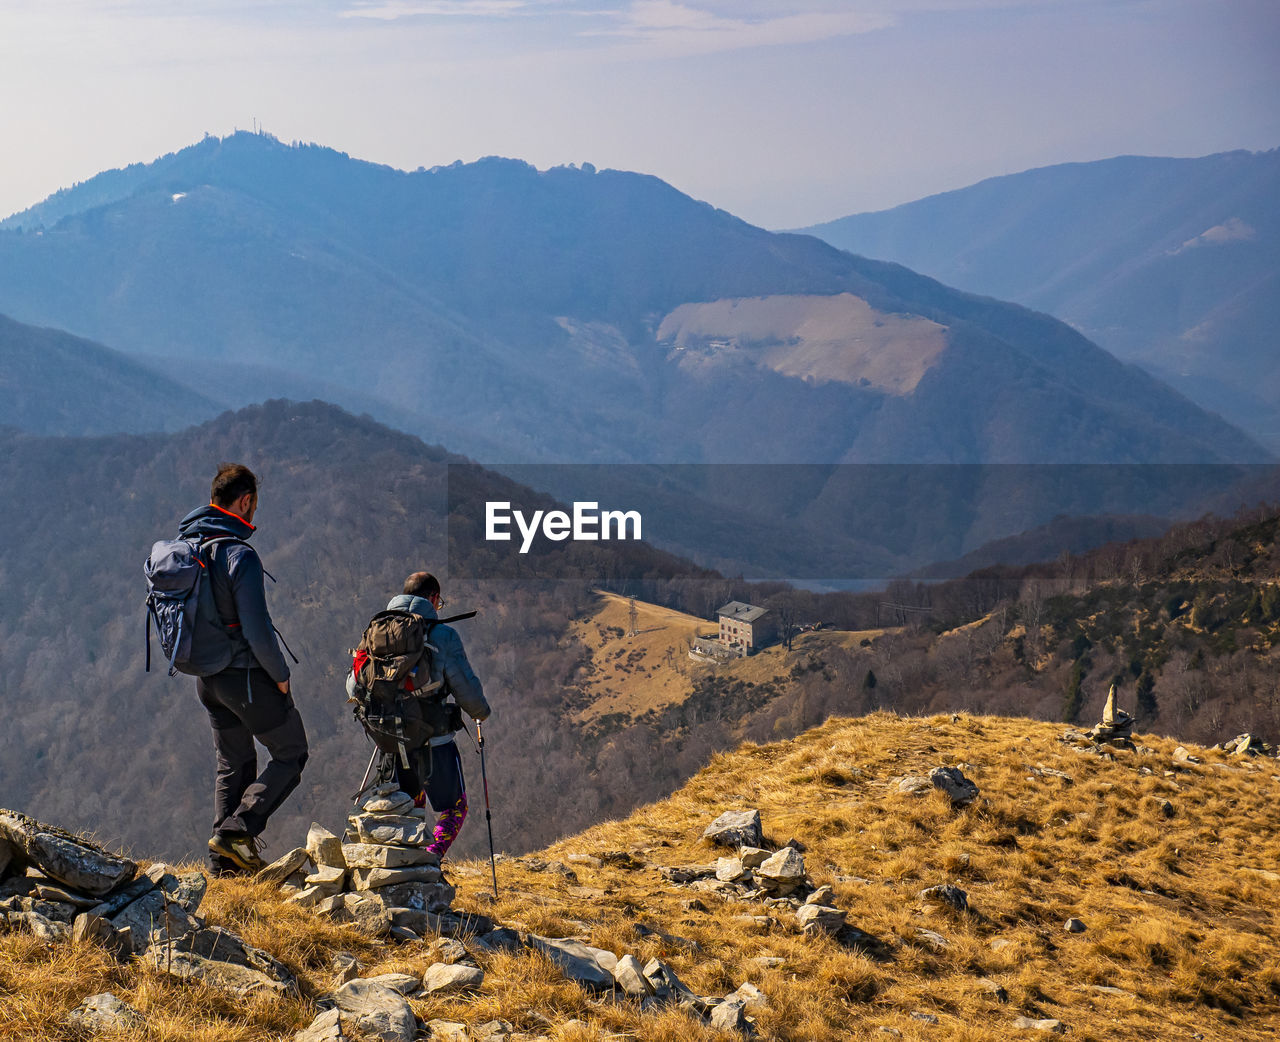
<point x="488" y="816"/>
<point x="364" y="782"/>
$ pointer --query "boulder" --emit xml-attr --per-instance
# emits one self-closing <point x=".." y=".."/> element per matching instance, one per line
<point x="575" y="960"/>
<point x="405" y="983"/>
<point x="325" y="1028"/>
<point x="104" y="1012"/>
<point x="629" y="974"/>
<point x="378" y="1011"/>
<point x="952" y="781"/>
<point x="373" y="855"/>
<point x="662" y="978"/>
<point x="428" y="897"/>
<point x="443" y="977"/>
<point x="152" y="917"/>
<point x="729" y="869"/>
<point x="735" y="828"/>
<point x="75" y="862"/>
<point x="220" y="958"/>
<point x="750" y="996"/>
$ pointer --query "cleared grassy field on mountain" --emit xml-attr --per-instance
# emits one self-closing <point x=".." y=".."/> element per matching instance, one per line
<point x="1169" y="865"/>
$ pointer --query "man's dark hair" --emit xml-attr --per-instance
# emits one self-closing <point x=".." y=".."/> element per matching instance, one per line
<point x="422" y="584"/>
<point x="232" y="481"/>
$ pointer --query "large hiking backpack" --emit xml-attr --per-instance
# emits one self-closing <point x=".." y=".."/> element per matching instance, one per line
<point x="397" y="703"/>
<point x="180" y="602"/>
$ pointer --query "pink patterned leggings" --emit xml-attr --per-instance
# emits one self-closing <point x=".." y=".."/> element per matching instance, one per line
<point x="448" y="825"/>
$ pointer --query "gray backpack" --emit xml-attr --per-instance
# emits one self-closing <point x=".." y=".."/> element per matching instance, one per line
<point x="180" y="602"/>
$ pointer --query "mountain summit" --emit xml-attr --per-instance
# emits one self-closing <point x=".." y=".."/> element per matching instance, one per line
<point x="568" y="314"/>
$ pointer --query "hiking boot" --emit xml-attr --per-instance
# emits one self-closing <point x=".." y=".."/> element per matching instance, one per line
<point x="241" y="850"/>
<point x="222" y="867"/>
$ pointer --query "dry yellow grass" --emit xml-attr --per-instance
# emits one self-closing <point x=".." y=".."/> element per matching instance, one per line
<point x="1182" y="915"/>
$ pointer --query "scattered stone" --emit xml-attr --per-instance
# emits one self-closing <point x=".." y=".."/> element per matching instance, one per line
<point x="915" y="785"/>
<point x="952" y="781"/>
<point x="730" y="1015"/>
<point x="946" y="894"/>
<point x="824" y="895"/>
<point x="580" y="859"/>
<point x="1118" y="993"/>
<point x="786" y="867"/>
<point x="104" y="1012"/>
<point x="69" y="860"/>
<point x="730" y="869"/>
<point x="576" y="961"/>
<point x="377" y="1010"/>
<point x="327" y="1027"/>
<point x="735" y="828"/>
<point x="750" y="996"/>
<point x="345" y="967"/>
<point x="1183" y="756"/>
<point x="448" y="951"/>
<point x="994" y="989"/>
<point x="681" y="874"/>
<point x="1000" y="943"/>
<point x="450" y="1031"/>
<point x="492" y="1031"/>
<point x="622" y="859"/>
<point x="629" y="975"/>
<point x="443" y="977"/>
<point x="406" y="984"/>
<point x="1026" y="1023"/>
<point x="664" y="981"/>
<point x="1166" y="808"/>
<point x="220" y="958"/>
<point x="769" y="962"/>
<point x="820" y="919"/>
<point x="1073" y="926"/>
<point x="927" y="1018"/>
<point x="934" y="940"/>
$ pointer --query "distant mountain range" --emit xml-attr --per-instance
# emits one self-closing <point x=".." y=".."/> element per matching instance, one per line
<point x="55" y="383"/>
<point x="1170" y="263"/>
<point x="567" y="315"/>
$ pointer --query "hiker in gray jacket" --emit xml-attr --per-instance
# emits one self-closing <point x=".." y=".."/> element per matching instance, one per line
<point x="249" y="699"/>
<point x="434" y="773"/>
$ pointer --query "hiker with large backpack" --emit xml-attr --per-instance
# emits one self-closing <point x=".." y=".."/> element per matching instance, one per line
<point x="207" y="599"/>
<point x="409" y="664"/>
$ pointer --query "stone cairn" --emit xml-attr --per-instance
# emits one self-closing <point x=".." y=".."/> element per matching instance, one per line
<point x="379" y="875"/>
<point x="1115" y="730"/>
<point x="63" y="888"/>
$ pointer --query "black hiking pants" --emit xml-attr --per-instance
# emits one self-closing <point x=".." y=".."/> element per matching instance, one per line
<point x="245" y="704"/>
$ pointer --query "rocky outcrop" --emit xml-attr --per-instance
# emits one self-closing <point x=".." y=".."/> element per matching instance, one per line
<point x="75" y="862"/>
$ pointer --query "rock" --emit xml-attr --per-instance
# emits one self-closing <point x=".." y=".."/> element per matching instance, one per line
<point x="405" y="983"/>
<point x="345" y="967"/>
<point x="588" y="860"/>
<point x="946" y="894"/>
<point x="492" y="1031"/>
<point x="824" y="895"/>
<point x="952" y="781"/>
<point x="892" y="1032"/>
<point x="325" y="1028"/>
<point x="1026" y="1023"/>
<point x="629" y="974"/>
<point x="324" y="848"/>
<point x="927" y="1018"/>
<point x="373" y="878"/>
<point x="1166" y="808"/>
<point x="753" y="857"/>
<point x="72" y="861"/>
<point x="1246" y="744"/>
<point x="682" y="874"/>
<point x="448" y="951"/>
<point x="915" y="785"/>
<point x="730" y="1015"/>
<point x="366" y="913"/>
<point x="429" y="897"/>
<point x="1183" y="756"/>
<point x="104" y="1012"/>
<point x="662" y="978"/>
<point x="1118" y="993"/>
<point x="932" y="939"/>
<point x="91" y="929"/>
<point x="1073" y="926"/>
<point x="1000" y="943"/>
<point x="394" y="830"/>
<point x="373" y="855"/>
<point x="729" y="869"/>
<point x="443" y="977"/>
<point x="60" y="895"/>
<point x="328" y="879"/>
<point x="154" y="916"/>
<point x="605" y="958"/>
<point x="308" y="897"/>
<point x="820" y="919"/>
<point x="786" y="867"/>
<point x="993" y="989"/>
<point x="283" y="867"/>
<point x="386" y="799"/>
<point x="378" y="1011"/>
<point x="449" y="1031"/>
<point x="220" y="958"/>
<point x="750" y="996"/>
<point x="123" y="897"/>
<point x="39" y="926"/>
<point x="575" y="960"/>
<point x="190" y="891"/>
<point x="735" y="828"/>
<point x="500" y="940"/>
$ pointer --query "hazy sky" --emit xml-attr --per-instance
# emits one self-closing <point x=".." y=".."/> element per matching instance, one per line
<point x="783" y="113"/>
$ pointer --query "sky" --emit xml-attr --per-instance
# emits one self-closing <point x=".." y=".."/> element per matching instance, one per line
<point x="784" y="113"/>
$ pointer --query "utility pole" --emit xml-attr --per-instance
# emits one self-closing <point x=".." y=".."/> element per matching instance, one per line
<point x="632" y="615"/>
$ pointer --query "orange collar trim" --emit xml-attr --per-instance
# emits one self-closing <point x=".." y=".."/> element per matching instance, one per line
<point x="230" y="513"/>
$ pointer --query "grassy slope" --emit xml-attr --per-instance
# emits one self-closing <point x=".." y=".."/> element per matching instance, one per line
<point x="1179" y="913"/>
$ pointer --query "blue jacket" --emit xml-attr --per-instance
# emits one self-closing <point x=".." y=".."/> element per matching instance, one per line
<point x="238" y="590"/>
